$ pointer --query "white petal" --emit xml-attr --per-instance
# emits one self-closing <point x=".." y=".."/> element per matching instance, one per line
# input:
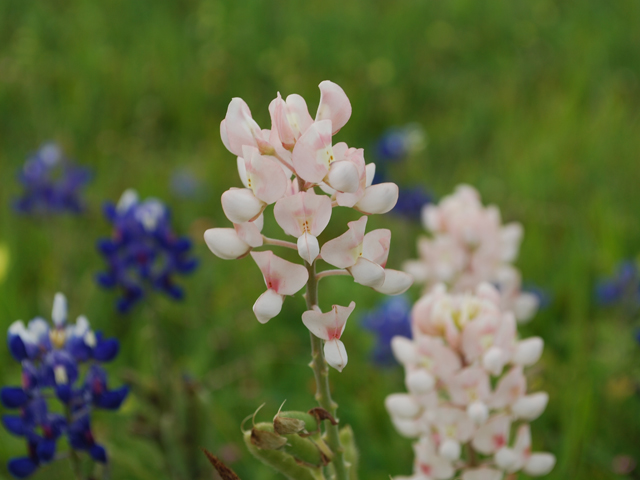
<point x="528" y="351"/>
<point x="406" y="427"/>
<point x="531" y="406"/>
<point x="59" y="312"/>
<point x="395" y="282"/>
<point x="379" y="198"/>
<point x="371" y="172"/>
<point x="128" y="198"/>
<point x="419" y="382"/>
<point x="450" y="450"/>
<point x="242" y="172"/>
<point x="478" y="412"/>
<point x="268" y="305"/>
<point x="505" y="458"/>
<point x="335" y="354"/>
<point x="525" y="306"/>
<point x="334" y="105"/>
<point x="241" y="205"/>
<point x="367" y="273"/>
<point x="308" y="247"/>
<point x="404" y="350"/>
<point x="225" y="243"/>
<point x="402" y="405"/>
<point x="493" y="361"/>
<point x="539" y="464"/>
<point x="344" y="177"/>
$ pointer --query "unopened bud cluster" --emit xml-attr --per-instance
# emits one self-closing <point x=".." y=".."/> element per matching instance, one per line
<point x="283" y="166"/>
<point x="470" y="245"/>
<point x="467" y="404"/>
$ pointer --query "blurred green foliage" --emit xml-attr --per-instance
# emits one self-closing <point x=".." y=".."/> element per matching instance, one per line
<point x="537" y="104"/>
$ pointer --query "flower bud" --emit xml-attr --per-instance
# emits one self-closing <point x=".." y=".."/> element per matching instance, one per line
<point x="402" y="405"/>
<point x="528" y="351"/>
<point x="406" y="427"/>
<point x="343" y="176"/>
<point x="505" y="458"/>
<point x="241" y="205"/>
<point x="539" y="464"/>
<point x="225" y="243"/>
<point x="59" y="313"/>
<point x="420" y="381"/>
<point x="450" y="449"/>
<point x="531" y="406"/>
<point x="404" y="350"/>
<point x="289" y="422"/>
<point x="493" y="360"/>
<point x="478" y="412"/>
<point x="268" y="305"/>
<point x="525" y="306"/>
<point x="379" y="198"/>
<point x="263" y="437"/>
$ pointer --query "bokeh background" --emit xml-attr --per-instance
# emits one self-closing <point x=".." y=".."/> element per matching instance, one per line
<point x="536" y="103"/>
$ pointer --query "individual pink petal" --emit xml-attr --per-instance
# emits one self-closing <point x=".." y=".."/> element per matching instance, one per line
<point x="298" y="114"/>
<point x="241" y="128"/>
<point x="268" y="305"/>
<point x="329" y="325"/>
<point x="265" y="176"/>
<point x="509" y="389"/>
<point x="344" y="251"/>
<point x="224" y="136"/>
<point x="375" y="246"/>
<point x="437" y="358"/>
<point x="250" y="232"/>
<point x="241" y="205"/>
<point x="334" y="105"/>
<point x="370" y="170"/>
<point x="356" y="157"/>
<point x="313" y="153"/>
<point x="379" y="198"/>
<point x="225" y="243"/>
<point x="429" y="465"/>
<point x="395" y="282"/>
<point x="367" y="273"/>
<point x="277" y="109"/>
<point x="308" y="247"/>
<point x="404" y="350"/>
<point x="453" y="423"/>
<point x="493" y="435"/>
<point x="335" y="354"/>
<point x="303" y="212"/>
<point x="469" y="385"/>
<point x="283" y="277"/>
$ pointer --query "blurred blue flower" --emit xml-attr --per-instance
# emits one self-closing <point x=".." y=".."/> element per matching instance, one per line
<point x="143" y="252"/>
<point x="185" y="184"/>
<point x="623" y="287"/>
<point x="397" y="143"/>
<point x="391" y="318"/>
<point x="51" y="183"/>
<point x="543" y="295"/>
<point x="410" y="202"/>
<point x="52" y="358"/>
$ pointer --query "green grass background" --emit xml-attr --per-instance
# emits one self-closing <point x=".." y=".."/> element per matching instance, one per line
<point x="536" y="103"/>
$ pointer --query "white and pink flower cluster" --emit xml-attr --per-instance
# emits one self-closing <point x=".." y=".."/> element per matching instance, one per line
<point x="469" y="245"/>
<point x="464" y="374"/>
<point x="283" y="166"/>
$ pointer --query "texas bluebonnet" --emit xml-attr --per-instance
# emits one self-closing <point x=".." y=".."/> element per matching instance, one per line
<point x="60" y="364"/>
<point x="623" y="287"/>
<point x="390" y="319"/>
<point x="51" y="182"/>
<point x="143" y="252"/>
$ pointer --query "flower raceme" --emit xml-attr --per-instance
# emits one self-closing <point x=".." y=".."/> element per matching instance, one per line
<point x="282" y="167"/>
<point x="462" y="345"/>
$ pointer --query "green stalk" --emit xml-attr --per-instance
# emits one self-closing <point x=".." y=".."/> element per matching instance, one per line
<point x="321" y="373"/>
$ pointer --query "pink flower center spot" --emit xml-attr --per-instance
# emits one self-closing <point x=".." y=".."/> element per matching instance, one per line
<point x="499" y="441"/>
<point x="426" y="469"/>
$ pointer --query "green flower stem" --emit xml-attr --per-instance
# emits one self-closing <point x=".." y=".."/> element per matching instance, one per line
<point x="321" y="374"/>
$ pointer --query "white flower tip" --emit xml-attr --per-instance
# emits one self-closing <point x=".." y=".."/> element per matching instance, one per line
<point x="493" y="361"/>
<point x="335" y="354"/>
<point x="419" y="382"/>
<point x="531" y="406"/>
<point x="241" y="205"/>
<point x="402" y="405"/>
<point x="528" y="351"/>
<point x="367" y="273"/>
<point x="395" y="282"/>
<point x="128" y="198"/>
<point x="404" y="350"/>
<point x="406" y="427"/>
<point x="225" y="243"/>
<point x="505" y="458"/>
<point x="525" y="306"/>
<point x="60" y="374"/>
<point x="59" y="312"/>
<point x="450" y="449"/>
<point x="478" y="412"/>
<point x="268" y="305"/>
<point x="379" y="198"/>
<point x="539" y="464"/>
<point x="308" y="247"/>
<point x="344" y="177"/>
